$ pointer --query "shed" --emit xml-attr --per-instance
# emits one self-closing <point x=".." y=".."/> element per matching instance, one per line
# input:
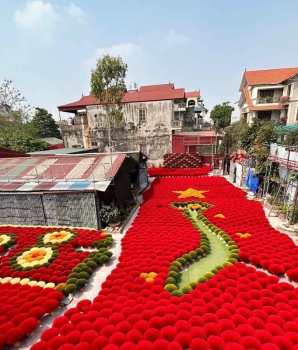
<point x="62" y="151"/>
<point x="63" y="190"/>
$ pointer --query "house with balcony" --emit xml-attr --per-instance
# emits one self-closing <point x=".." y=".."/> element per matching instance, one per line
<point x="270" y="94"/>
<point x="151" y="114"/>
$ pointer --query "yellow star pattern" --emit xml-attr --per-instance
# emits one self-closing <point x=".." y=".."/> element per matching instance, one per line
<point x="190" y="192"/>
<point x="219" y="216"/>
<point x="243" y="235"/>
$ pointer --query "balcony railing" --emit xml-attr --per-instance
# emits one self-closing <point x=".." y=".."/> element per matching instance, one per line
<point x="268" y="99"/>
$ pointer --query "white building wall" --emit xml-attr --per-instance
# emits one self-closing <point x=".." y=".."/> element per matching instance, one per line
<point x="293" y="105"/>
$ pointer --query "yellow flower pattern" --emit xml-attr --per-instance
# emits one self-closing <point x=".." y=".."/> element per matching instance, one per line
<point x="57" y="237"/>
<point x="35" y="256"/>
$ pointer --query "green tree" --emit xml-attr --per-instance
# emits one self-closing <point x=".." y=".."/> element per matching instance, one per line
<point x="14" y="100"/>
<point x="230" y="140"/>
<point x="221" y="115"/>
<point x="292" y="138"/>
<point x="44" y="124"/>
<point x="16" y="130"/>
<point x="108" y="86"/>
<point x="248" y="135"/>
<point x="24" y="142"/>
<point x="255" y="139"/>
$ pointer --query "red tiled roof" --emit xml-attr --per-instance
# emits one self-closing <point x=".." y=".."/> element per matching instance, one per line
<point x="269" y="76"/>
<point x="153" y="95"/>
<point x="193" y="94"/>
<point x="247" y="97"/>
<point x="139" y="96"/>
<point x="264" y="107"/>
<point x="160" y="87"/>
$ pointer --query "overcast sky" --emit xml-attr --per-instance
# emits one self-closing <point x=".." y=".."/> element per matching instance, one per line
<point x="49" y="47"/>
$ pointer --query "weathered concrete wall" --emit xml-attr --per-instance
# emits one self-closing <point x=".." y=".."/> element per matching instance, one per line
<point x="74" y="209"/>
<point x="152" y="137"/>
<point x="72" y="135"/>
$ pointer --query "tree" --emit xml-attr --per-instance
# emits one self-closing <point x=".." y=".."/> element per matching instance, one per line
<point x="292" y="138"/>
<point x="14" y="100"/>
<point x="23" y="142"/>
<point x="16" y="130"/>
<point x="108" y="86"/>
<point x="221" y="115"/>
<point x="44" y="124"/>
<point x="255" y="139"/>
<point x="230" y="140"/>
<point x="248" y="135"/>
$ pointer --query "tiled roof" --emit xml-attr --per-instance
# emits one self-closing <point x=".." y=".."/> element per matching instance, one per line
<point x="247" y="97"/>
<point x="269" y="76"/>
<point x="153" y="95"/>
<point x="264" y="107"/>
<point x="143" y="95"/>
<point x="193" y="94"/>
<point x="160" y="87"/>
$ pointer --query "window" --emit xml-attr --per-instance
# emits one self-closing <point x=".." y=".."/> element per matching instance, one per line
<point x="142" y="115"/>
<point x="94" y="143"/>
<point x="264" y="115"/>
<point x="266" y="93"/>
<point x="191" y="103"/>
<point x="95" y="115"/>
<point x="176" y="116"/>
<point x="289" y="90"/>
<point x="206" y="150"/>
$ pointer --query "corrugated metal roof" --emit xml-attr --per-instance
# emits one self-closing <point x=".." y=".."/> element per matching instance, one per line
<point x="80" y="185"/>
<point x="29" y="186"/>
<point x="285" y="129"/>
<point x="62" y="186"/>
<point x="59" y="173"/>
<point x="101" y="186"/>
<point x="52" y="140"/>
<point x="62" y="151"/>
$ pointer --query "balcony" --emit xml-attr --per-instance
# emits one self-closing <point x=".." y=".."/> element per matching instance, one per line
<point x="285" y="99"/>
<point x="177" y="124"/>
<point x="268" y="99"/>
<point x="286" y="156"/>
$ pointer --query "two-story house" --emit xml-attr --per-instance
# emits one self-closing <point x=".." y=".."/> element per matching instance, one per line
<point x="151" y="114"/>
<point x="270" y="95"/>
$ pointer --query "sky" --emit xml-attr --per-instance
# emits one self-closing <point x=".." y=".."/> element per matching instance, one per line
<point x="48" y="47"/>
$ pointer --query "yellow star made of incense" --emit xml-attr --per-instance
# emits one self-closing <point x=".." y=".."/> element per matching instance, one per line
<point x="190" y="192"/>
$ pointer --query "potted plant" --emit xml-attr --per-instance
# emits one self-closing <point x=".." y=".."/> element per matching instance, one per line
<point x="110" y="215"/>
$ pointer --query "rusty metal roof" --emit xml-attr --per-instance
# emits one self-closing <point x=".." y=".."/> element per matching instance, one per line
<point x="59" y="173"/>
